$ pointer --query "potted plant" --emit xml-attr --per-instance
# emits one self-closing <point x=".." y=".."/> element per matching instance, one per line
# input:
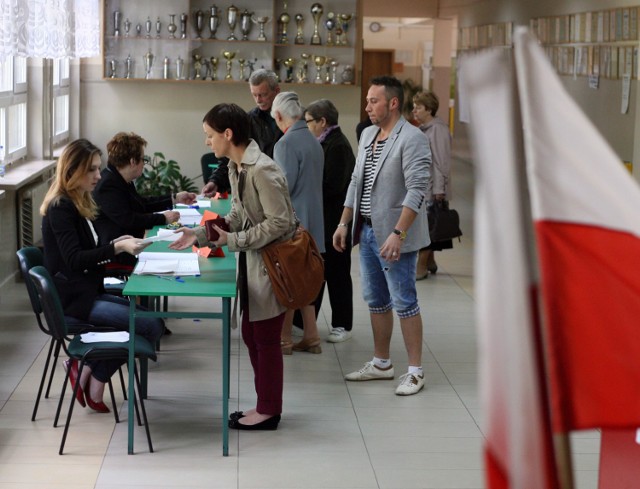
<point x="161" y="177"/>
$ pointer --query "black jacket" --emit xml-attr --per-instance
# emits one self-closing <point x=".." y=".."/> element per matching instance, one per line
<point x="73" y="259"/>
<point x="124" y="211"/>
<point x="339" y="162"/>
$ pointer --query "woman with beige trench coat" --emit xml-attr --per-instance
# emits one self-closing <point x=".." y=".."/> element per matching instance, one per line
<point x="261" y="212"/>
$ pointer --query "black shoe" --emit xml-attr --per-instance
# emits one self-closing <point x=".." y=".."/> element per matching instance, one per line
<point x="268" y="424"/>
<point x="167" y="331"/>
<point x="236" y="416"/>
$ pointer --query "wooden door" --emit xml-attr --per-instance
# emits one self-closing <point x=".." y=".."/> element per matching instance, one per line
<point x="375" y="62"/>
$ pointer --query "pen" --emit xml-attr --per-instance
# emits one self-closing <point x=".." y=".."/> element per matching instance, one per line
<point x="194" y="207"/>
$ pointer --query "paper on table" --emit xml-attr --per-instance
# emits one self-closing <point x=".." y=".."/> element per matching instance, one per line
<point x="112" y="281"/>
<point x="150" y="263"/>
<point x="115" y="336"/>
<point x="163" y="235"/>
<point x="199" y="203"/>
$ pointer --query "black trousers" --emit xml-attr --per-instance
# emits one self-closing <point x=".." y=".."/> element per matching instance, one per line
<point x="337" y="275"/>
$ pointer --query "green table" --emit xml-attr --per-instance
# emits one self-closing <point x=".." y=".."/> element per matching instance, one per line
<point x="217" y="279"/>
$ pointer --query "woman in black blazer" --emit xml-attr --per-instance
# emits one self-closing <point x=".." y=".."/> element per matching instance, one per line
<point x="122" y="209"/>
<point x="77" y="264"/>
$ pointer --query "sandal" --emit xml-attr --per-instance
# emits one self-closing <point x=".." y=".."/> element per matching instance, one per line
<point x="287" y="347"/>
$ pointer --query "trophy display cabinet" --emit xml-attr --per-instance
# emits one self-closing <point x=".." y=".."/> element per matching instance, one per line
<point x="198" y="41"/>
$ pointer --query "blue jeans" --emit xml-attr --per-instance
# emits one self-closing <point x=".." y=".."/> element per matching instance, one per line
<point x="113" y="312"/>
<point x="385" y="285"/>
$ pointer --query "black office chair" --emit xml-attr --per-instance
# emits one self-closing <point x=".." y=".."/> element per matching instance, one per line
<point x="208" y="164"/>
<point x="82" y="352"/>
<point x="30" y="257"/>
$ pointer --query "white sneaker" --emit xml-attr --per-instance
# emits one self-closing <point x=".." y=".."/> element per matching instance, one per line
<point x="338" y="335"/>
<point x="371" y="372"/>
<point x="410" y="384"/>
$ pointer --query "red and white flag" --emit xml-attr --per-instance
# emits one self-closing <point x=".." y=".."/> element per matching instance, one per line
<point x="518" y="449"/>
<point x="586" y="210"/>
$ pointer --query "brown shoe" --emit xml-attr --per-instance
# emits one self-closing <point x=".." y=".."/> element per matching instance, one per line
<point x="311" y="345"/>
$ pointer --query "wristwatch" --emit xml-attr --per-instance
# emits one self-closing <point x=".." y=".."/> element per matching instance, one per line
<point x="402" y="234"/>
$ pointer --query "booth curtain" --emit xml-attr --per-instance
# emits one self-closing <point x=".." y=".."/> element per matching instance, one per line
<point x="50" y="28"/>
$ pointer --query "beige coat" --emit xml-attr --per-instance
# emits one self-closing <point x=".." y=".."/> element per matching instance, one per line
<point x="264" y="215"/>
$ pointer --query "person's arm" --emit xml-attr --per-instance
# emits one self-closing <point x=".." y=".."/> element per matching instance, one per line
<point x="115" y="203"/>
<point x="342" y="230"/>
<point x="339" y="162"/>
<point x="284" y="154"/>
<point x="440" y="160"/>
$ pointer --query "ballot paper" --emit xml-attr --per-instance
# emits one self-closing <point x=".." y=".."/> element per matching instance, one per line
<point x="189" y="217"/>
<point x="115" y="336"/>
<point x="159" y="263"/>
<point x="163" y="235"/>
<point x="198" y="205"/>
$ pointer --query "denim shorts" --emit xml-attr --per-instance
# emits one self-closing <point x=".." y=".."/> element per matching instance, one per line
<point x="385" y="285"/>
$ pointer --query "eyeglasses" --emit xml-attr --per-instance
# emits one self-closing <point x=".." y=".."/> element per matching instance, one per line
<point x="311" y="120"/>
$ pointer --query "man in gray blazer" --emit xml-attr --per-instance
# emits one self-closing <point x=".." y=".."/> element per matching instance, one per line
<point x="386" y="207"/>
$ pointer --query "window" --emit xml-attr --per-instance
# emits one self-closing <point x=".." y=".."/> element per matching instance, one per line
<point x="13" y="108"/>
<point x="61" y="96"/>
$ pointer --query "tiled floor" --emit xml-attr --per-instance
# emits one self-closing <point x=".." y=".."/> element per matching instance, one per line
<point x="333" y="434"/>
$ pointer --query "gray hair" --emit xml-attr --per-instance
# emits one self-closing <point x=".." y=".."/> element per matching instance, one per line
<point x="262" y="75"/>
<point x="323" y="108"/>
<point x="288" y="104"/>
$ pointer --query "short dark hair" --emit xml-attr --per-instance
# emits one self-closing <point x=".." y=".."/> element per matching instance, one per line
<point x="323" y="108"/>
<point x="392" y="88"/>
<point x="124" y="146"/>
<point x="230" y="116"/>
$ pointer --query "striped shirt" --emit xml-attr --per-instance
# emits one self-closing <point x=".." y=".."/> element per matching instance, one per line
<point x="372" y="155"/>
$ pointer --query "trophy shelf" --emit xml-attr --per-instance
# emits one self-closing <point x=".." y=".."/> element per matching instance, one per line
<point x="195" y="40"/>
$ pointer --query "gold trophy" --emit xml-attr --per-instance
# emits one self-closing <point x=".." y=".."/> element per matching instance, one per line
<point x="316" y="12"/>
<point x="283" y="22"/>
<point x="229" y="55"/>
<point x="299" y="25"/>
<point x="214" y="67"/>
<point x="319" y="62"/>
<point x="289" y="63"/>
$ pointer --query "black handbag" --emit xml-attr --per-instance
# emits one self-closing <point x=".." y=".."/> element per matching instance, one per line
<point x="444" y="223"/>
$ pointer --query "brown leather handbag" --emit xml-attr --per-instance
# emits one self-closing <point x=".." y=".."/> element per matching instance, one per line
<point x="296" y="269"/>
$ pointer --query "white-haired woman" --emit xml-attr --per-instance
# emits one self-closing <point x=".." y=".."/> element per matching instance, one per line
<point x="300" y="156"/>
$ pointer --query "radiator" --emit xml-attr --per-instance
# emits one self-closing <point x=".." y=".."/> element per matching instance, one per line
<point x="30" y="198"/>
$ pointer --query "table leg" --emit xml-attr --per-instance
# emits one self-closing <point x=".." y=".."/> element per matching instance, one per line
<point x="131" y="367"/>
<point x="226" y="361"/>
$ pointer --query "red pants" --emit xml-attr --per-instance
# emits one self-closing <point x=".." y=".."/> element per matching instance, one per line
<point x="263" y="341"/>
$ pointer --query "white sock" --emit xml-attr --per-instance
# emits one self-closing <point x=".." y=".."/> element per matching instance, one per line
<point x="416" y="371"/>
<point x="382" y="363"/>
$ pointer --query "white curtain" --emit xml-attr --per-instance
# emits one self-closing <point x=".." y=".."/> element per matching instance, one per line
<point x="50" y="28"/>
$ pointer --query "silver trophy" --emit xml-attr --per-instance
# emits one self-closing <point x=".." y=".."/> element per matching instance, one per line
<point x="172" y="27"/>
<point x="165" y="67"/>
<point x="316" y="12"/>
<point x="116" y="22"/>
<point x="127" y="27"/>
<point x="198" y="23"/>
<point x="147" y="27"/>
<point x="138" y="29"/>
<point x="245" y="24"/>
<point x="214" y="22"/>
<point x="148" y="64"/>
<point x="334" y="72"/>
<point x="299" y="39"/>
<point x="113" y="66"/>
<point x="158" y="28"/>
<point x="179" y="68"/>
<point x="232" y="19"/>
<point x="183" y="25"/>
<point x="261" y="21"/>
<point x="128" y="66"/>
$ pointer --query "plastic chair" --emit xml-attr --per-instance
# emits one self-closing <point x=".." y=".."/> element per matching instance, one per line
<point x="82" y="352"/>
<point x="30" y="257"/>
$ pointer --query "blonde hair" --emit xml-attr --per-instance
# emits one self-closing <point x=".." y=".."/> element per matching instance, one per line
<point x="74" y="163"/>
